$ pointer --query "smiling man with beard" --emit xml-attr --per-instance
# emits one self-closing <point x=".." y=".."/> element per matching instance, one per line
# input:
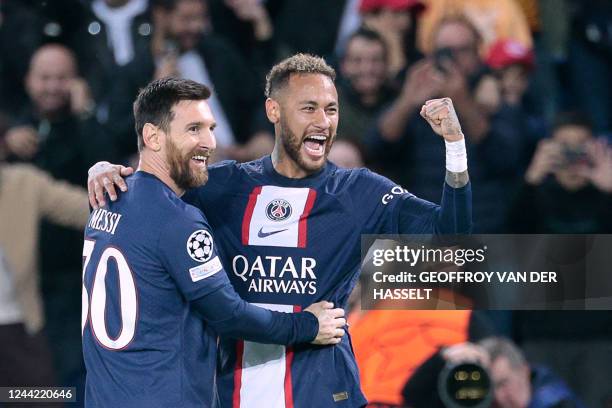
<point x="154" y="290"/>
<point x="291" y="225"/>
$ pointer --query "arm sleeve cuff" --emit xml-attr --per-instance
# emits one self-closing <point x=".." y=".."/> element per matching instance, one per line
<point x="233" y="317"/>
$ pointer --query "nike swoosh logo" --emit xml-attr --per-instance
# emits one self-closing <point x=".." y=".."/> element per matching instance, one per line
<point x="262" y="234"/>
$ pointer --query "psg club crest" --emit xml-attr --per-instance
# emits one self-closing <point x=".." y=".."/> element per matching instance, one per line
<point x="278" y="210"/>
<point x="200" y="246"/>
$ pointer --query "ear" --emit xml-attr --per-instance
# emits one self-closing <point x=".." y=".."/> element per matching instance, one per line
<point x="272" y="110"/>
<point x="151" y="136"/>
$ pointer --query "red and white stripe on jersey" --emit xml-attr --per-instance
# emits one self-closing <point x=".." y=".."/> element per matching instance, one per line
<point x="259" y="229"/>
<point x="263" y="371"/>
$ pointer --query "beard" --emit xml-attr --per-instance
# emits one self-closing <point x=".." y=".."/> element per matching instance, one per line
<point x="180" y="169"/>
<point x="292" y="145"/>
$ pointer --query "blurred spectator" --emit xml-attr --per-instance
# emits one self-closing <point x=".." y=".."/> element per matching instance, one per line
<point x="110" y="34"/>
<point x="248" y="25"/>
<point x="568" y="185"/>
<point x="345" y="154"/>
<point x="363" y="87"/>
<point x="494" y="19"/>
<point x="28" y="195"/>
<point x="57" y="133"/>
<point x="183" y="46"/>
<point x="590" y="61"/>
<point x="512" y="65"/>
<point x="516" y="384"/>
<point x="308" y="26"/>
<point x="511" y="62"/>
<point x="396" y="22"/>
<point x="20" y="35"/>
<point x="55" y="130"/>
<point x="454" y="70"/>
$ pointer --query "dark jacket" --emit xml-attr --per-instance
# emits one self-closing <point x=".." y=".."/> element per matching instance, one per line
<point x="95" y="57"/>
<point x="233" y="83"/>
<point x="549" y="391"/>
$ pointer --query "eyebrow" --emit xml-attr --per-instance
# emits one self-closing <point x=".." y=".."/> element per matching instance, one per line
<point x="333" y="103"/>
<point x="200" y="124"/>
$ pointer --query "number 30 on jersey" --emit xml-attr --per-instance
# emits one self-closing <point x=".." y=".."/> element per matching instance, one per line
<point x="94" y="300"/>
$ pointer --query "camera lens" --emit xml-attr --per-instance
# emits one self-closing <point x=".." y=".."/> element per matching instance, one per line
<point x="465" y="385"/>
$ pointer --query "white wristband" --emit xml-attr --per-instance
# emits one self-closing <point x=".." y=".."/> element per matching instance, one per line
<point x="456" y="156"/>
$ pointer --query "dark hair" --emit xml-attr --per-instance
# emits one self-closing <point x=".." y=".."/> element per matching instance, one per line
<point x="369" y="35"/>
<point x="572" y="119"/>
<point x="154" y="103"/>
<point x="279" y="75"/>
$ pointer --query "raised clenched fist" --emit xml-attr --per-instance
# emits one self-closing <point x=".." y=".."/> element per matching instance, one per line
<point x="441" y="116"/>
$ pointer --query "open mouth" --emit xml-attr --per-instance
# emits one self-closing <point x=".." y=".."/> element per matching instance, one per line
<point x="200" y="160"/>
<point x="315" y="145"/>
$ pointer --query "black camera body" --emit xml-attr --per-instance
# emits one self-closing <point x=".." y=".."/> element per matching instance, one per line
<point x="441" y="57"/>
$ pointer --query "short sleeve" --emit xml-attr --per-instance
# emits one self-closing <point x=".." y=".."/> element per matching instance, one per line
<point x="188" y="251"/>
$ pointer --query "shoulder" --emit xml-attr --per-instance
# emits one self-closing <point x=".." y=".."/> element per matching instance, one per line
<point x="224" y="171"/>
<point x="156" y="201"/>
<point x="360" y="177"/>
<point x="181" y="214"/>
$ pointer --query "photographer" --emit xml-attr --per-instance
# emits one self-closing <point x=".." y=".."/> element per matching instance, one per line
<point x="513" y="382"/>
<point x="422" y="391"/>
<point x="568" y="184"/>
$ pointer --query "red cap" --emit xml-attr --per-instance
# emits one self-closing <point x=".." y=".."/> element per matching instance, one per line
<point x="367" y="6"/>
<point x="403" y="4"/>
<point x="504" y="53"/>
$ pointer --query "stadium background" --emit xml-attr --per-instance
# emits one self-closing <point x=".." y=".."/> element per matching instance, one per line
<point x="70" y="69"/>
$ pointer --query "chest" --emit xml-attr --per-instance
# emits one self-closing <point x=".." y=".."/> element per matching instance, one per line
<point x="297" y="239"/>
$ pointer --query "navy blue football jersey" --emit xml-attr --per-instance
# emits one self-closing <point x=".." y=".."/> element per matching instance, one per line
<point x="287" y="243"/>
<point x="145" y="257"/>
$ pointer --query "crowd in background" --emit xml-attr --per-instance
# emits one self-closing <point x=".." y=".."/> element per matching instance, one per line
<point x="530" y="79"/>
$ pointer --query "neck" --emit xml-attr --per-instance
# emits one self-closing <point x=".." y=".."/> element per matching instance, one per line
<point x="151" y="162"/>
<point x="286" y="166"/>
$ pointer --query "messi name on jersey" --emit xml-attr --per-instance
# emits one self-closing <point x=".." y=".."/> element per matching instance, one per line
<point x="105" y="221"/>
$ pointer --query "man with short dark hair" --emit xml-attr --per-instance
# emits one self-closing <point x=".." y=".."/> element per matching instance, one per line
<point x="152" y="272"/>
<point x="291" y="226"/>
<point x="363" y="89"/>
